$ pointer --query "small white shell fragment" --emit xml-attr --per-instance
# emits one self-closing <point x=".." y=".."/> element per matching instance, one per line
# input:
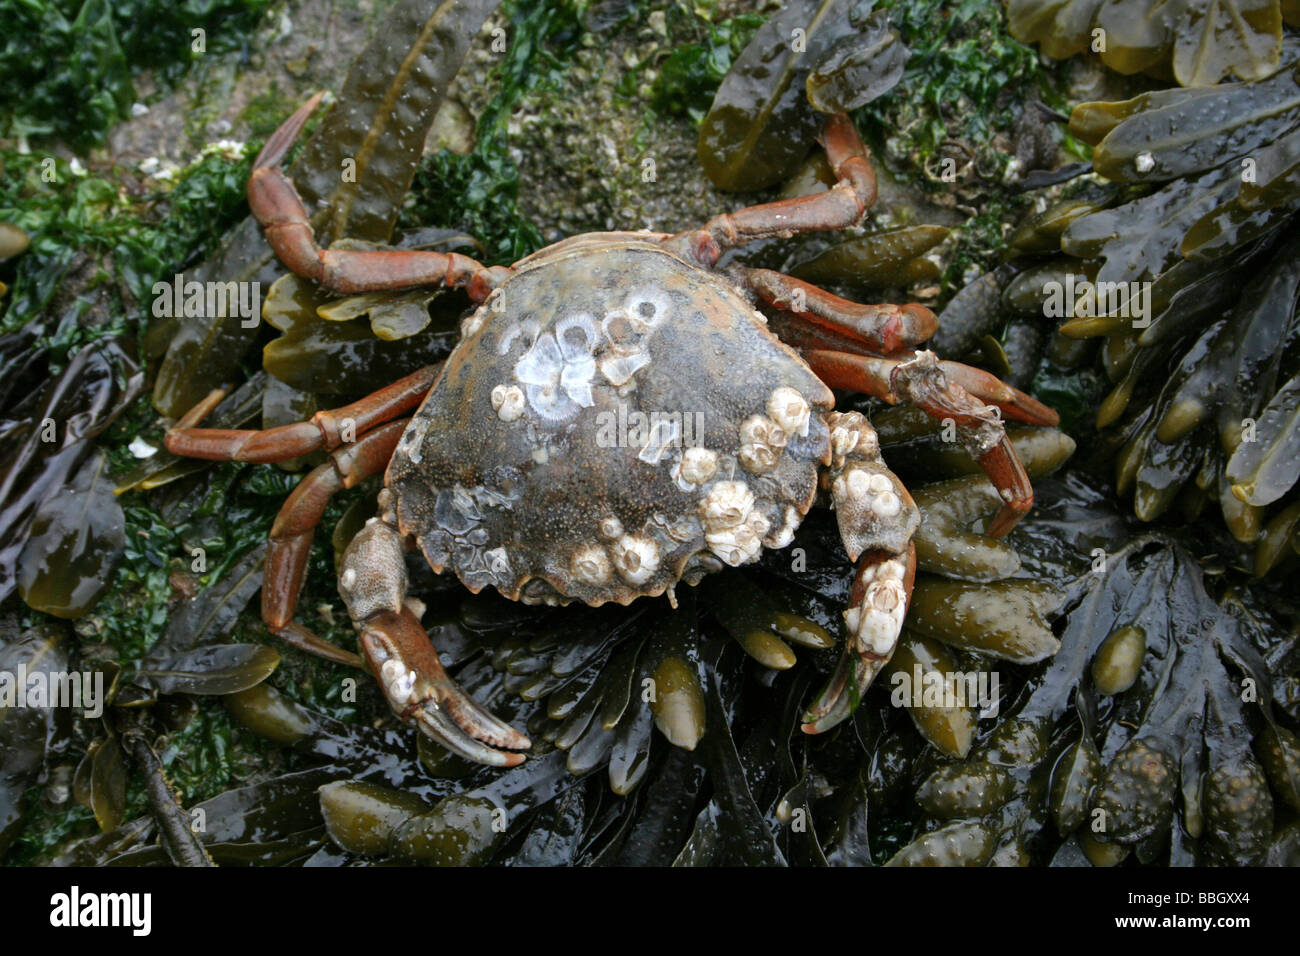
<point x="788" y="409"/>
<point x="140" y="448"/>
<point x="508" y="402"/>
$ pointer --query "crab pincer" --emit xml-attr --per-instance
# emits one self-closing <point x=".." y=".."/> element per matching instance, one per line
<point x="373" y="583"/>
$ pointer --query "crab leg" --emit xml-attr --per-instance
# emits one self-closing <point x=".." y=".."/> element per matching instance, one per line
<point x="838" y="208"/>
<point x="921" y="381"/>
<point x="291" y="535"/>
<point x="877" y="519"/>
<point x="882" y="328"/>
<point x="373" y="583"/>
<point x="809" y="336"/>
<point x="324" y="430"/>
<point x="276" y="204"/>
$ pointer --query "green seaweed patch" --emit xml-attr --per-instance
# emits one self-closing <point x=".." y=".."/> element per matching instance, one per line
<point x="139" y="233"/>
<point x="967" y="77"/>
<point x="1074" y="393"/>
<point x="690" y="75"/>
<point x="66" y="66"/>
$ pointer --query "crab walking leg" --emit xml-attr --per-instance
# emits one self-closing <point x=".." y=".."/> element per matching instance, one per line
<point x="883" y="328"/>
<point x="877" y="519"/>
<point x="813" y="320"/>
<point x="295" y="525"/>
<point x="373" y="583"/>
<point x="838" y="208"/>
<point x="920" y="381"/>
<point x="276" y="204"/>
<point x="809" y="336"/>
<point x="325" y="430"/>
<point x="203" y="408"/>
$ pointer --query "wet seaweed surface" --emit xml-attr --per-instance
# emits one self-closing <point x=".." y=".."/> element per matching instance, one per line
<point x="1114" y="683"/>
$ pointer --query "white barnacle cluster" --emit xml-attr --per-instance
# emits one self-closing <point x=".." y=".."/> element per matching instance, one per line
<point x="627" y="331"/>
<point x="852" y="437"/>
<point x="736" y="522"/>
<point x="399" y="681"/>
<point x="870" y="503"/>
<point x="557" y="370"/>
<point x="874" y="623"/>
<point x="738" y="509"/>
<point x="733" y="527"/>
<point x="763" y="437"/>
<point x="560" y="366"/>
<point x="871" y="490"/>
<point x="633" y="557"/>
<point x="508" y="402"/>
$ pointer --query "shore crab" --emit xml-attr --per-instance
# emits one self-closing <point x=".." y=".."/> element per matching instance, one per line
<point x="513" y="463"/>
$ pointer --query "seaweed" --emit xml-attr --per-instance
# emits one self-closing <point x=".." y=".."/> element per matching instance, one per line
<point x="1197" y="41"/>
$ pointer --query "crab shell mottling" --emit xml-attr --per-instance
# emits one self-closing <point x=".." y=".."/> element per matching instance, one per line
<point x="526" y="467"/>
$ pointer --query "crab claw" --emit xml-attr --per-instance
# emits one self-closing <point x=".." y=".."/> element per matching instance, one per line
<point x="419" y="690"/>
<point x="373" y="584"/>
<point x="877" y="518"/>
<point x="882" y="588"/>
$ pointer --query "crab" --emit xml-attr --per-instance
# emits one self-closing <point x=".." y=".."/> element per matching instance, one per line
<point x="618" y="417"/>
